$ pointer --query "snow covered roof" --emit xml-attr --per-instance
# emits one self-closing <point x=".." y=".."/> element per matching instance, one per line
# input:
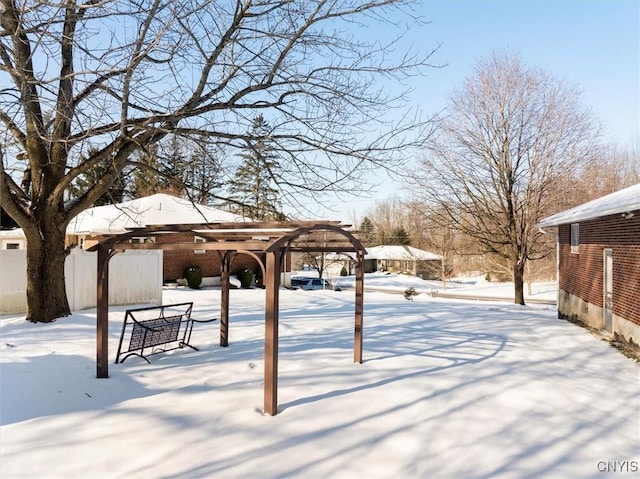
<point x="622" y="201"/>
<point x="339" y="256"/>
<point x="399" y="252"/>
<point x="14" y="233"/>
<point x="159" y="209"/>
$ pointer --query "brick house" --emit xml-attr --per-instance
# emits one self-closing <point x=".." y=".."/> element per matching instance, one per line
<point x="599" y="263"/>
<point x="403" y="259"/>
<point x="94" y="224"/>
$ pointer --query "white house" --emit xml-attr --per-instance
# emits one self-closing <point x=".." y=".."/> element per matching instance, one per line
<point x="90" y="227"/>
<point x="12" y="239"/>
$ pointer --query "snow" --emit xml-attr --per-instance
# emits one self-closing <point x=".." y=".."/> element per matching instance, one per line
<point x="475" y="286"/>
<point x="14" y="233"/>
<point x="399" y="253"/>
<point x="623" y="201"/>
<point x="159" y="209"/>
<point x="448" y="389"/>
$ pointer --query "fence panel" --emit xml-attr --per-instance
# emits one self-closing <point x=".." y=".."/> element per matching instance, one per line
<point x="135" y="277"/>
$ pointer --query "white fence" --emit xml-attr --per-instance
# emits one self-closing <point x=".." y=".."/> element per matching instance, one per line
<point x="135" y="277"/>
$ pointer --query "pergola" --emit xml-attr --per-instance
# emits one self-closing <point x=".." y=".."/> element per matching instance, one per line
<point x="268" y="243"/>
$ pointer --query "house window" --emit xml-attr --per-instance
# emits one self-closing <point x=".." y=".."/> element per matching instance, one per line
<point x="13" y="244"/>
<point x="198" y="239"/>
<point x="143" y="239"/>
<point x="82" y="242"/>
<point x="575" y="238"/>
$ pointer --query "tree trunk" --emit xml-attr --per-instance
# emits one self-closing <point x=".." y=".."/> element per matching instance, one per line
<point x="518" y="281"/>
<point x="46" y="289"/>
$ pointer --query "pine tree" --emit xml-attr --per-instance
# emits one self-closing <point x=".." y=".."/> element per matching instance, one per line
<point x="6" y="222"/>
<point x="399" y="236"/>
<point x="114" y="194"/>
<point x="367" y="234"/>
<point x="179" y="167"/>
<point x="251" y="190"/>
<point x="174" y="166"/>
<point x="203" y="174"/>
<point x="146" y="177"/>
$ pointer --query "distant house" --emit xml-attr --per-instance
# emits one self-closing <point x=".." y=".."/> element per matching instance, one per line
<point x="93" y="224"/>
<point x="13" y="239"/>
<point x="403" y="259"/>
<point x="599" y="263"/>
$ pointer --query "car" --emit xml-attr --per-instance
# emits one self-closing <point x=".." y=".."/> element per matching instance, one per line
<point x="308" y="284"/>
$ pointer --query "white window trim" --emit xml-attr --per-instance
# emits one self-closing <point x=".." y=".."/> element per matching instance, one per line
<point x="199" y="239"/>
<point x="6" y="243"/>
<point x="143" y="239"/>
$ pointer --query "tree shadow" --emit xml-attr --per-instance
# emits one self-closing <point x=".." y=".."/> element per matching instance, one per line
<point x="35" y="387"/>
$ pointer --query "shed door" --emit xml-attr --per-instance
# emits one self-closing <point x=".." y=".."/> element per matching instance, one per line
<point x="608" y="289"/>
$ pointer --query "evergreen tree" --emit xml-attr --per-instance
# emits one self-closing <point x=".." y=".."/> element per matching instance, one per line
<point x="82" y="182"/>
<point x="146" y="177"/>
<point x="6" y="222"/>
<point x="178" y="167"/>
<point x="174" y="167"/>
<point x="367" y="233"/>
<point x="203" y="174"/>
<point x="252" y="190"/>
<point x="399" y="236"/>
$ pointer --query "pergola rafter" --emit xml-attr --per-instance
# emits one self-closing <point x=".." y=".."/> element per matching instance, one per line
<point x="268" y="243"/>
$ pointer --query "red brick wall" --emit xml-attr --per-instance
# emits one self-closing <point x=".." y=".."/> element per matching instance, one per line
<point x="581" y="274"/>
<point x="175" y="262"/>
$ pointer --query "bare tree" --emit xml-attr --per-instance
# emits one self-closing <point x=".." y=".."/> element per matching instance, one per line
<point x="90" y="83"/>
<point x="512" y="135"/>
<point x="387" y="216"/>
<point x="435" y="236"/>
<point x="617" y="167"/>
<point x="317" y="261"/>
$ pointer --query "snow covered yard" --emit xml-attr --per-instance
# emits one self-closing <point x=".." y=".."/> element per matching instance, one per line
<point x="448" y="389"/>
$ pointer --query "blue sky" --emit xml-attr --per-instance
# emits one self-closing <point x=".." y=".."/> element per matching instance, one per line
<point x="593" y="44"/>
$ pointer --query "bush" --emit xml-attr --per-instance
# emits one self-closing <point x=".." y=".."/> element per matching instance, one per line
<point x="343" y="272"/>
<point x="246" y="278"/>
<point x="193" y="275"/>
<point x="259" y="280"/>
<point x="409" y="293"/>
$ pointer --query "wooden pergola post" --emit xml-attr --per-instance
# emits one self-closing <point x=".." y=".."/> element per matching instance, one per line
<point x="102" y="313"/>
<point x="272" y="284"/>
<point x="359" y="308"/>
<point x="227" y="257"/>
